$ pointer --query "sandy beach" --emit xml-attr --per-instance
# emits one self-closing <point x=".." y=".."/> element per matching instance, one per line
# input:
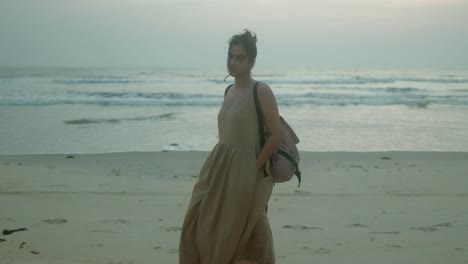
<point x="352" y="207"/>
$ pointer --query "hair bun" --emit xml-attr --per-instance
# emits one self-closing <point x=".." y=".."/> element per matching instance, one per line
<point x="249" y="34"/>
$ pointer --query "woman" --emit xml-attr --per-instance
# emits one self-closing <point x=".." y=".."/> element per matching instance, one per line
<point x="226" y="221"/>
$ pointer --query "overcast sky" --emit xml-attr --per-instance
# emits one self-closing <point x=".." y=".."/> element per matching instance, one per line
<point x="195" y="33"/>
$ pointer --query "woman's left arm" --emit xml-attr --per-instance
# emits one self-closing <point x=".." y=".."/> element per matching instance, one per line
<point x="272" y="123"/>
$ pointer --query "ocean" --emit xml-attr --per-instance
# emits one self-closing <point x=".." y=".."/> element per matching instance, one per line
<point x="102" y="110"/>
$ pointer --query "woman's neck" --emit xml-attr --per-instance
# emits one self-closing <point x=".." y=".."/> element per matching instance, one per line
<point x="243" y="81"/>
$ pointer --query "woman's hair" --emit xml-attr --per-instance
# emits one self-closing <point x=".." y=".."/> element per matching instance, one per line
<point x="249" y="41"/>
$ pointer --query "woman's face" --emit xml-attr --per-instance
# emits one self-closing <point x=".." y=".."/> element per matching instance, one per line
<point x="237" y="61"/>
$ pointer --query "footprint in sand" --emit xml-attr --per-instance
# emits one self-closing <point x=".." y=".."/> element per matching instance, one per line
<point x="301" y="227"/>
<point x="323" y="251"/>
<point x="115" y="221"/>
<point x="425" y="228"/>
<point x="446" y="224"/>
<point x="172" y="251"/>
<point x="55" y="221"/>
<point x="171" y="229"/>
<point x="302" y="193"/>
<point x="394" y="246"/>
<point x="432" y="228"/>
<point x="116" y="172"/>
<point x="318" y="251"/>
<point x="343" y="243"/>
<point x="356" y="225"/>
<point x="104" y="231"/>
<point x="385" y="232"/>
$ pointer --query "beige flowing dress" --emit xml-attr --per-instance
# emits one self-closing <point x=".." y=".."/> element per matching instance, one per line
<point x="226" y="220"/>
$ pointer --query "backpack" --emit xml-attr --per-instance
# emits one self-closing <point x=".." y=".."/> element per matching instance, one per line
<point x="284" y="162"/>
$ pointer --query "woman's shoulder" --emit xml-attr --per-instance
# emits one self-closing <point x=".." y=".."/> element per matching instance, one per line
<point x="264" y="88"/>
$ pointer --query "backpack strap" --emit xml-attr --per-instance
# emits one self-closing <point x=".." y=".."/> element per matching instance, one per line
<point x="227" y="89"/>
<point x="261" y="122"/>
